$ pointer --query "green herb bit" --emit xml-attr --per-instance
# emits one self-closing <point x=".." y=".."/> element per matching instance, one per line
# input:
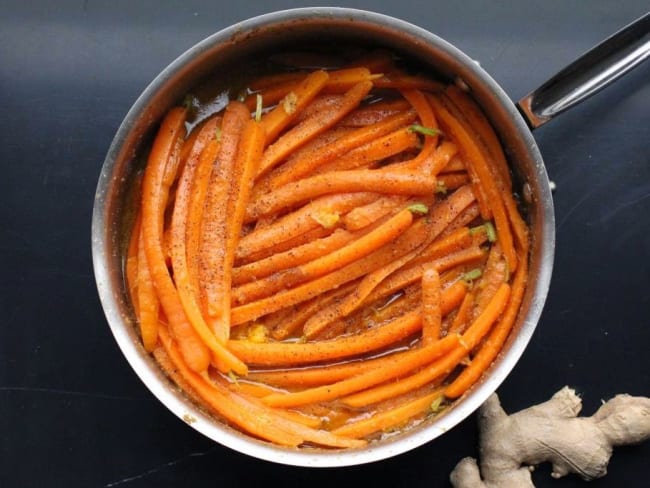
<point x="437" y="405"/>
<point x="472" y="275"/>
<point x="491" y="232"/>
<point x="258" y="108"/>
<point x="190" y="102"/>
<point x="441" y="187"/>
<point x="427" y="131"/>
<point x="419" y="209"/>
<point x="233" y="377"/>
<point x="217" y="134"/>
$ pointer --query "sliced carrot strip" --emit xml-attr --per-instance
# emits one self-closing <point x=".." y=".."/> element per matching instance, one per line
<point x="431" y="312"/>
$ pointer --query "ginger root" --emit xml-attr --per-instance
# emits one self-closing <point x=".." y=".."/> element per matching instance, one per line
<point x="551" y="431"/>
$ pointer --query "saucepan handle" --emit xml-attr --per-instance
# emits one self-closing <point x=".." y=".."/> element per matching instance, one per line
<point x="590" y="73"/>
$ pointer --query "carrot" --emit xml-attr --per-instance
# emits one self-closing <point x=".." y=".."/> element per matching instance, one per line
<point x="359" y="248"/>
<point x="374" y="112"/>
<point x="492" y="346"/>
<point x="319" y="156"/>
<point x="444" y="365"/>
<point x="452" y="181"/>
<point x="214" y="273"/>
<point x="363" y="216"/>
<point x="311" y="127"/>
<point x="463" y="315"/>
<point x="466" y="217"/>
<point x="403" y="81"/>
<point x="419" y="102"/>
<point x="389" y="418"/>
<point x="148" y="305"/>
<point x="342" y="80"/>
<point x="292" y="242"/>
<point x="402" y="245"/>
<point x="494" y="273"/>
<point x="391" y="367"/>
<point x="293" y="257"/>
<point x="131" y="266"/>
<point x="154" y="194"/>
<point x="287" y="353"/>
<point x="454" y="165"/>
<point x="292" y="104"/>
<point x="431" y="313"/>
<point x="399" y="183"/>
<point x="476" y="160"/>
<point x="322" y="212"/>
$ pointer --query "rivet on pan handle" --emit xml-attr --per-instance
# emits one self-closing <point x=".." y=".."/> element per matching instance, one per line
<point x="589" y="74"/>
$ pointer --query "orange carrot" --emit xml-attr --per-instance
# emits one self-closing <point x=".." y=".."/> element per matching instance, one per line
<point x="374" y="112"/>
<point x="322" y="212"/>
<point x="131" y="266"/>
<point x="400" y="183"/>
<point x="391" y="367"/>
<point x="355" y="250"/>
<point x="431" y="313"/>
<point x="293" y="103"/>
<point x="455" y="164"/>
<point x="311" y="127"/>
<point x="419" y="102"/>
<point x="463" y="315"/>
<point x="361" y="217"/>
<point x="154" y="194"/>
<point x="287" y="353"/>
<point x="389" y="418"/>
<point x="148" y="305"/>
<point x="403" y="81"/>
<point x="214" y="274"/>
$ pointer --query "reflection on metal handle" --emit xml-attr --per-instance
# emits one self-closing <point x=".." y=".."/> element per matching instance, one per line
<point x="590" y="73"/>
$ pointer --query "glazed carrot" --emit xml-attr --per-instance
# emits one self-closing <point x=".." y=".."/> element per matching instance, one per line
<point x="403" y="81"/>
<point x="427" y="119"/>
<point x="365" y="215"/>
<point x="492" y="346"/>
<point x="389" y="418"/>
<point x="466" y="217"/>
<point x="391" y="367"/>
<point x="374" y="151"/>
<point x="131" y="265"/>
<point x="477" y="161"/>
<point x="311" y="127"/>
<point x="349" y="253"/>
<point x="399" y="183"/>
<point x="148" y="305"/>
<point x="319" y="156"/>
<point x="254" y="418"/>
<point x="293" y="257"/>
<point x="323" y="212"/>
<point x="292" y="242"/>
<point x="154" y="194"/>
<point x="342" y="80"/>
<point x="408" y="241"/>
<point x="442" y="366"/>
<point x="275" y="79"/>
<point x="494" y="273"/>
<point x="455" y="164"/>
<point x="318" y="104"/>
<point x="288" y="353"/>
<point x="463" y="315"/>
<point x="452" y="181"/>
<point x="431" y="313"/>
<point x="214" y="272"/>
<point x="374" y="112"/>
<point x="292" y="104"/>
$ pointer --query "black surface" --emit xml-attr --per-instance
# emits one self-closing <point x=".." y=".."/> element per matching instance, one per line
<point x="72" y="413"/>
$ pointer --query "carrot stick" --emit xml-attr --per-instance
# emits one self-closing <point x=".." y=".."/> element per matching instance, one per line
<point x="374" y="112"/>
<point x="148" y="305"/>
<point x="455" y="164"/>
<point x="391" y="367"/>
<point x="477" y="161"/>
<point x="284" y="354"/>
<point x="353" y="251"/>
<point x="293" y="257"/>
<point x="494" y="273"/>
<point x="419" y="102"/>
<point x="402" y="245"/>
<point x="319" y="156"/>
<point x="361" y="217"/>
<point x="389" y="418"/>
<point x="402" y="81"/>
<point x="492" y="346"/>
<point x="317" y="213"/>
<point x="452" y="181"/>
<point x="442" y="366"/>
<point x="286" y="245"/>
<point x="431" y="313"/>
<point x="131" y="266"/>
<point x="463" y="315"/>
<point x="342" y="80"/>
<point x="266" y="81"/>
<point x="399" y="183"/>
<point x="311" y="127"/>
<point x="466" y="217"/>
<point x="214" y="272"/>
<point x="292" y="104"/>
<point x="154" y="194"/>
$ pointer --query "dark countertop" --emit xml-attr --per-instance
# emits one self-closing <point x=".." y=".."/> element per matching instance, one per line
<point x="72" y="413"/>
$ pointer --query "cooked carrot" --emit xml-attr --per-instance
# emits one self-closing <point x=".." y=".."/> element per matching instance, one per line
<point x="463" y="315"/>
<point x="154" y="195"/>
<point x="403" y="81"/>
<point x="427" y="119"/>
<point x="466" y="217"/>
<point x="266" y="81"/>
<point x="148" y="305"/>
<point x="293" y="257"/>
<point x="399" y="183"/>
<point x="494" y="273"/>
<point x="311" y="127"/>
<point x="319" y="156"/>
<point x="442" y="366"/>
<point x="322" y="212"/>
<point x="214" y="273"/>
<point x="365" y="215"/>
<point x="452" y="181"/>
<point x="292" y="242"/>
<point x="342" y="80"/>
<point x="391" y="367"/>
<point x="389" y="418"/>
<point x="349" y="253"/>
<point x="408" y="241"/>
<point x="454" y="165"/>
<point x="284" y="354"/>
<point x="431" y="313"/>
<point x="374" y="112"/>
<point x="477" y="161"/>
<point x="492" y="346"/>
<point x="131" y="265"/>
<point x="293" y="103"/>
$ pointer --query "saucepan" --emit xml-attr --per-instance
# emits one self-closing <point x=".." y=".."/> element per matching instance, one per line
<point x="513" y="123"/>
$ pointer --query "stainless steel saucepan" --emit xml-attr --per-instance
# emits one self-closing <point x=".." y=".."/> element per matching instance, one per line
<point x="274" y="32"/>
